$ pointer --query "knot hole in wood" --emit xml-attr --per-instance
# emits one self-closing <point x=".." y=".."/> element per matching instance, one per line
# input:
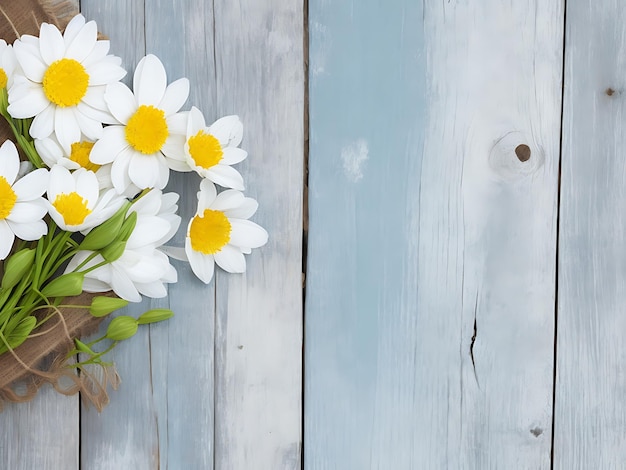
<point x="523" y="152"/>
<point x="514" y="156"/>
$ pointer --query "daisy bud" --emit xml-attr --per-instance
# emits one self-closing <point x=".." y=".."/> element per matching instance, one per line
<point x="122" y="327"/>
<point x="155" y="315"/>
<point x="127" y="227"/>
<point x="67" y="285"/>
<point x="17" y="266"/>
<point x="101" y="306"/>
<point x="106" y="232"/>
<point x="82" y="347"/>
<point x="113" y="251"/>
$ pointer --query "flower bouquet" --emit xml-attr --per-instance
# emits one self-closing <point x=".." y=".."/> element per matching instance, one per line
<point x="84" y="219"/>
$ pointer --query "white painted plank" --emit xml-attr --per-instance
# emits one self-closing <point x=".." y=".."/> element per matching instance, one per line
<point x="590" y="413"/>
<point x="31" y="437"/>
<point x="41" y="434"/>
<point x="182" y="353"/>
<point x="260" y="76"/>
<point x="432" y="247"/>
<point x="126" y="433"/>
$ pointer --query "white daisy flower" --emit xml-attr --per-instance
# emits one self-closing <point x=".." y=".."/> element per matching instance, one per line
<point x="151" y="138"/>
<point x="63" y="82"/>
<point x="220" y="232"/>
<point x="21" y="206"/>
<point x="75" y="203"/>
<point x="53" y="154"/>
<point x="211" y="150"/>
<point x="8" y="64"/>
<point x="142" y="269"/>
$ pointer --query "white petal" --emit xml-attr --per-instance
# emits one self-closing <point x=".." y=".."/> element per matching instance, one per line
<point x="73" y="28"/>
<point x="98" y="115"/>
<point x="119" y="169"/>
<point x="110" y="146"/>
<point x="144" y="170"/>
<point x="66" y="128"/>
<point x="49" y="151"/>
<point x="206" y="195"/>
<point x="149" y="81"/>
<point x="84" y="42"/>
<point x="94" y="285"/>
<point x="30" y="230"/>
<point x="91" y="128"/>
<point x="94" y="97"/>
<point x="51" y="45"/>
<point x="99" y="52"/>
<point x="121" y="101"/>
<point x="226" y="176"/>
<point x="175" y="96"/>
<point x="154" y="290"/>
<point x="6" y="239"/>
<point x="61" y="182"/>
<point x="228" y="130"/>
<point x="231" y="259"/>
<point x="9" y="161"/>
<point x="246" y="210"/>
<point x="247" y="234"/>
<point x="32" y="185"/>
<point x="124" y="287"/>
<point x="43" y="124"/>
<point x="174" y="147"/>
<point x="87" y="186"/>
<point x="175" y="252"/>
<point x="104" y="72"/>
<point x="177" y="123"/>
<point x="30" y="60"/>
<point x="26" y="212"/>
<point x="195" y="122"/>
<point x="229" y="199"/>
<point x="201" y="265"/>
<point x="30" y="105"/>
<point x="233" y="155"/>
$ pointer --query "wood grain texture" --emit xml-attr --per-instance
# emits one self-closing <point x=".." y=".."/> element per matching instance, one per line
<point x="260" y="76"/>
<point x="432" y="246"/>
<point x="590" y="413"/>
<point x="40" y="434"/>
<point x="126" y="434"/>
<point x="31" y="438"/>
<point x="164" y="412"/>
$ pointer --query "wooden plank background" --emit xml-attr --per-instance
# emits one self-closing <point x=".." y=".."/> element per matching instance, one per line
<point x="219" y="386"/>
<point x="432" y="247"/>
<point x="463" y="308"/>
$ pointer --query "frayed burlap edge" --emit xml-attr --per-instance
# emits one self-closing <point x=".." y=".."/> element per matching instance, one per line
<point x="43" y="357"/>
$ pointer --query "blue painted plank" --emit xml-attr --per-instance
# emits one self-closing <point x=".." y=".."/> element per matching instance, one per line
<point x="432" y="243"/>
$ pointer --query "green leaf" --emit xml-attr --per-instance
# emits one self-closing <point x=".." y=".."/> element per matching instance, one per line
<point x="155" y="315"/>
<point x="101" y="306"/>
<point x="113" y="251"/>
<point x="21" y="331"/>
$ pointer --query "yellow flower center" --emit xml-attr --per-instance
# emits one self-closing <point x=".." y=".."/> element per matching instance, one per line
<point x="65" y="82"/>
<point x="80" y="154"/>
<point x="210" y="232"/>
<point x="72" y="207"/>
<point x="146" y="130"/>
<point x="7" y="198"/>
<point x="3" y="78"/>
<point x="205" y="150"/>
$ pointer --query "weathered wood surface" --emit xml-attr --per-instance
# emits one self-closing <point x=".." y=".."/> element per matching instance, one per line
<point x="590" y="411"/>
<point x="219" y="386"/>
<point x="432" y="247"/>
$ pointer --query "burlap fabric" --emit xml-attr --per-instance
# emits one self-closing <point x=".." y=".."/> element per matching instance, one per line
<point x="42" y="358"/>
